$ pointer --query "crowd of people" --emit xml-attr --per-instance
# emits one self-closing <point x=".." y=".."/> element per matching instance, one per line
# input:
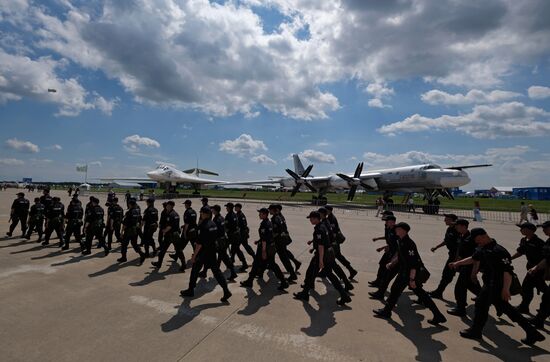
<point x="217" y="239"/>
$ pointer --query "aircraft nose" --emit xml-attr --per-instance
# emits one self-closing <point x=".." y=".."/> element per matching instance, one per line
<point x="457" y="179"/>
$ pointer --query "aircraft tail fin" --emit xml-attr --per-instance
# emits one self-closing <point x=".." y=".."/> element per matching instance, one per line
<point x="298" y="167"/>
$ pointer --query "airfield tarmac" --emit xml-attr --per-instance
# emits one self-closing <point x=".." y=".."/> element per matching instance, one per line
<point x="58" y="305"/>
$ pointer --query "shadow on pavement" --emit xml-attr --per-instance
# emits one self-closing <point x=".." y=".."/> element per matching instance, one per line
<point x="186" y="314"/>
<point x="256" y="301"/>
<point x="114" y="267"/>
<point x="79" y="258"/>
<point x="154" y="275"/>
<point x="19" y="243"/>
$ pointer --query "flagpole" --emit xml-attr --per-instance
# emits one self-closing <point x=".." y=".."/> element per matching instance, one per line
<point x="86" y="174"/>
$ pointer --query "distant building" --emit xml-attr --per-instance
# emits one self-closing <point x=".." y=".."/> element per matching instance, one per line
<point x="501" y="190"/>
<point x="532" y="193"/>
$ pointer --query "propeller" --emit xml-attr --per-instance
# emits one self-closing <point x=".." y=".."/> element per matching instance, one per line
<point x="301" y="180"/>
<point x="354" y="181"/>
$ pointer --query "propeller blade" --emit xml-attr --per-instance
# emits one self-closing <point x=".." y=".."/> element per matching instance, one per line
<point x="293" y="174"/>
<point x="295" y="190"/>
<point x="345" y="177"/>
<point x="358" y="170"/>
<point x="307" y="171"/>
<point x="351" y="193"/>
<point x="367" y="187"/>
<point x="309" y="186"/>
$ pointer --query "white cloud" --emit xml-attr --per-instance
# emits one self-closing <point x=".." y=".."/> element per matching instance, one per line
<point x="377" y="103"/>
<point x="95" y="163"/>
<point x="22" y="146"/>
<point x="106" y="106"/>
<point x="379" y="91"/>
<point x="243" y="145"/>
<point x="484" y="121"/>
<point x="538" y="92"/>
<point x="317" y="156"/>
<point x="263" y="159"/>
<point x="55" y="147"/>
<point x="11" y="162"/>
<point x="474" y="96"/>
<point x="323" y="144"/>
<point x="22" y="77"/>
<point x="134" y="143"/>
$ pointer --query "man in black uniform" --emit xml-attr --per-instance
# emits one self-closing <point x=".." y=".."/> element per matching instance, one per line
<point x="130" y="225"/>
<point x="497" y="269"/>
<point x="171" y="235"/>
<point x="387" y="271"/>
<point x="36" y="220"/>
<point x="544" y="267"/>
<point x="162" y="223"/>
<point x="115" y="213"/>
<point x="93" y="226"/>
<point x="73" y="219"/>
<point x="339" y="238"/>
<point x="451" y="242"/>
<point x="234" y="235"/>
<point x="205" y="255"/>
<point x="322" y="262"/>
<point x="389" y="249"/>
<point x="55" y="217"/>
<point x="150" y="225"/>
<point x="265" y="253"/>
<point x="189" y="229"/>
<point x="244" y="230"/>
<point x="412" y="274"/>
<point x="204" y="201"/>
<point x="19" y="213"/>
<point x="280" y="238"/>
<point x="297" y="263"/>
<point x="467" y="279"/>
<point x="221" y="244"/>
<point x="46" y="200"/>
<point x="531" y="246"/>
<point x="335" y="266"/>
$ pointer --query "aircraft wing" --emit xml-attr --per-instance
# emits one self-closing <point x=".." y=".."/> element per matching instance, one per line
<point x="470" y="166"/>
<point x="134" y="179"/>
<point x="256" y="182"/>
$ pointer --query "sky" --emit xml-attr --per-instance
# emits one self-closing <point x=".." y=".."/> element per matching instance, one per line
<point x="240" y="85"/>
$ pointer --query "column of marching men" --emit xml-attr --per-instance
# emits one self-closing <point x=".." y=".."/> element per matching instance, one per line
<point x="217" y="239"/>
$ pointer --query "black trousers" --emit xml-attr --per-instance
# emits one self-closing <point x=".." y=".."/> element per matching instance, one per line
<point x="463" y="284"/>
<point x="341" y="258"/>
<point x="209" y="262"/>
<point x="94" y="231"/>
<point x="147" y="240"/>
<point x="387" y="277"/>
<point x="312" y="272"/>
<point x="447" y="275"/>
<point x="54" y="225"/>
<point x="399" y="285"/>
<point x="168" y="240"/>
<point x="544" y="309"/>
<point x="73" y="228"/>
<point x="530" y="282"/>
<point x="130" y="238"/>
<point x="490" y="295"/>
<point x="115" y="229"/>
<point x="21" y="218"/>
<point x="282" y="252"/>
<point x="35" y="225"/>
<point x="223" y="256"/>
<point x="259" y="265"/>
<point x="235" y="247"/>
<point x="246" y="246"/>
<point x="382" y="270"/>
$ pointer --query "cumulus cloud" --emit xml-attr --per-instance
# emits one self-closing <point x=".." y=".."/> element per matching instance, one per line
<point x="22" y="146"/>
<point x="318" y="156"/>
<point x="538" y="92"/>
<point x="23" y="77"/>
<point x="244" y="145"/>
<point x="377" y="103"/>
<point x="95" y="163"/>
<point x="484" y="121"/>
<point x="436" y="96"/>
<point x="379" y="91"/>
<point x="135" y="143"/>
<point x="11" y="162"/>
<point x="55" y="147"/>
<point x="263" y="159"/>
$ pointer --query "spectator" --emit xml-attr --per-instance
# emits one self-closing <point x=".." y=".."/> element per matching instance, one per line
<point x="410" y="205"/>
<point x="379" y="206"/>
<point x="477" y="212"/>
<point x="533" y="215"/>
<point x="523" y="212"/>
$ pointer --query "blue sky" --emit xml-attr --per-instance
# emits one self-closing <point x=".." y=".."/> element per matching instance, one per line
<point x="240" y="85"/>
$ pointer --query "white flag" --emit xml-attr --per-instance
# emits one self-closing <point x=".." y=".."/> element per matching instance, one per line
<point x="82" y="168"/>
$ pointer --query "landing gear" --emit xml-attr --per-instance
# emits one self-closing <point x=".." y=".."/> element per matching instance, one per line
<point x="319" y="200"/>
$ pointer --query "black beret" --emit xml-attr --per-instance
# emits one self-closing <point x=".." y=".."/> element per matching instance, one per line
<point x="187" y="202"/>
<point x="314" y="215"/>
<point x="322" y="210"/>
<point x="529" y="226"/>
<point x="263" y="210"/>
<point x="475" y="232"/>
<point x="206" y="210"/>
<point x="229" y="205"/>
<point x="462" y="222"/>
<point x="217" y="208"/>
<point x="390" y="218"/>
<point x="328" y="207"/>
<point x="238" y="205"/>
<point x="170" y="202"/>
<point x="451" y="216"/>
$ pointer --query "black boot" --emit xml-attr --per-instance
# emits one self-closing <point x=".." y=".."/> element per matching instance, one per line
<point x="226" y="295"/>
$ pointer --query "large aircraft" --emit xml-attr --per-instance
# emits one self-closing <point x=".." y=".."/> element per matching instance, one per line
<point x="429" y="179"/>
<point x="170" y="177"/>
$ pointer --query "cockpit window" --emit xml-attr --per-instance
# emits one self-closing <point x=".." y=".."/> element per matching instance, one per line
<point x="431" y="167"/>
